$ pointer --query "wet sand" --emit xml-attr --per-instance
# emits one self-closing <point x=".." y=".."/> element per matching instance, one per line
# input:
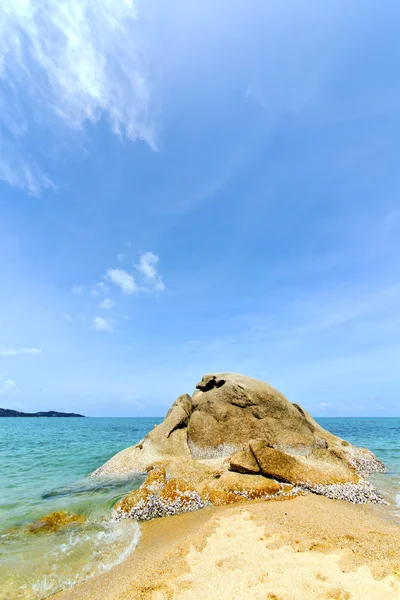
<point x="309" y="547"/>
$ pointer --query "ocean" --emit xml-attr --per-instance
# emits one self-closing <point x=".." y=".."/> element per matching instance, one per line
<point x="44" y="467"/>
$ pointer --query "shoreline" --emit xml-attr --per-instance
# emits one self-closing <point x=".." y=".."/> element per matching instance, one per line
<point x="305" y="547"/>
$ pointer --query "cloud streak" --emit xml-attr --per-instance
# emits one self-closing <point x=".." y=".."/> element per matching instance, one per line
<point x="63" y="64"/>
<point x="18" y="351"/>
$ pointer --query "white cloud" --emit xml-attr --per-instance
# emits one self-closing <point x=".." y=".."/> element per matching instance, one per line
<point x="148" y="268"/>
<point x="72" y="62"/>
<point x="77" y="289"/>
<point x="103" y="287"/>
<point x="107" y="303"/>
<point x="8" y="387"/>
<point x="16" y="351"/>
<point x="20" y="172"/>
<point x="123" y="280"/>
<point x="320" y="405"/>
<point x="101" y="324"/>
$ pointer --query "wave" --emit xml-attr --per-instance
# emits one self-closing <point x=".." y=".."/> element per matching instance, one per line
<point x="56" y="562"/>
<point x="95" y="485"/>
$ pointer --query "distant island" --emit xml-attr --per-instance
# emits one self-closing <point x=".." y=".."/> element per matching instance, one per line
<point x="6" y="412"/>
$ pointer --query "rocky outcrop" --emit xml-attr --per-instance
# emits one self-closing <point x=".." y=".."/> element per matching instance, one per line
<point x="55" y="522"/>
<point x="177" y="496"/>
<point x="233" y="423"/>
<point x="165" y="499"/>
<point x="232" y="488"/>
<point x="165" y="442"/>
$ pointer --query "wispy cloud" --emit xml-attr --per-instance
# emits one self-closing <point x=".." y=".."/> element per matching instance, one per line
<point x="122" y="279"/>
<point x="17" y="351"/>
<point x="107" y="303"/>
<point x="21" y="172"/>
<point x="150" y="280"/>
<point x="101" y="324"/>
<point x="77" y="289"/>
<point x="328" y="310"/>
<point x="8" y="387"/>
<point x="104" y="289"/>
<point x="148" y="268"/>
<point x="73" y="61"/>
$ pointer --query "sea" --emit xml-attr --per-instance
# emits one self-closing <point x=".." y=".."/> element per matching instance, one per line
<point x="45" y="465"/>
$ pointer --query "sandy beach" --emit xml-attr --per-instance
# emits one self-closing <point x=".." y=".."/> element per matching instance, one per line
<point x="308" y="547"/>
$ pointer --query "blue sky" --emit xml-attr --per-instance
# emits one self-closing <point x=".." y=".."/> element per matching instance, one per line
<point x="192" y="187"/>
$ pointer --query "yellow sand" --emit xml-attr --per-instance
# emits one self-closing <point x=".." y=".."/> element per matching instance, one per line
<point x="309" y="548"/>
<point x="238" y="563"/>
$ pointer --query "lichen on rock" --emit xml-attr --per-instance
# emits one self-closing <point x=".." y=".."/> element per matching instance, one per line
<point x="175" y="496"/>
<point x="55" y="521"/>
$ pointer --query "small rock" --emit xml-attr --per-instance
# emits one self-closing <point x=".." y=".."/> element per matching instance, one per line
<point x="55" y="521"/>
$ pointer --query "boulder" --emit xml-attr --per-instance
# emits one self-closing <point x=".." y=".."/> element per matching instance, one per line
<point x="232" y="488"/>
<point x="292" y="469"/>
<point x="244" y="461"/>
<point x="229" y="410"/>
<point x="166" y="441"/>
<point x="134" y="501"/>
<point x="236" y="423"/>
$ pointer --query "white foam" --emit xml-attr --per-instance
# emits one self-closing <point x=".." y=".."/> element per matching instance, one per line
<point x="98" y="545"/>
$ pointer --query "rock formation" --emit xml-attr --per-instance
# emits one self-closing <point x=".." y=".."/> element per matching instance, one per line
<point x="237" y="437"/>
<point x="55" y="522"/>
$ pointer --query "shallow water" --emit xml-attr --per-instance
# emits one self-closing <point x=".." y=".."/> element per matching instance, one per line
<point x="382" y="437"/>
<point x="44" y="465"/>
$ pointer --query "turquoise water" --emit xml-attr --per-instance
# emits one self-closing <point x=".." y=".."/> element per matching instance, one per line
<point x="44" y="465"/>
<point x="382" y="437"/>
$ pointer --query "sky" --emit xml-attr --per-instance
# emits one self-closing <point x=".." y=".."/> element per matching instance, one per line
<point x="195" y="187"/>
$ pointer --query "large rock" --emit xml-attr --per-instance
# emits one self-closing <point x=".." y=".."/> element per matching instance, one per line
<point x="236" y="423"/>
<point x="322" y="468"/>
<point x="166" y="441"/>
<point x="229" y="410"/>
<point x="177" y="496"/>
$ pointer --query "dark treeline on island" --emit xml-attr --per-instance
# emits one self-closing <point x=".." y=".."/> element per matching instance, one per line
<point x="6" y="412"/>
